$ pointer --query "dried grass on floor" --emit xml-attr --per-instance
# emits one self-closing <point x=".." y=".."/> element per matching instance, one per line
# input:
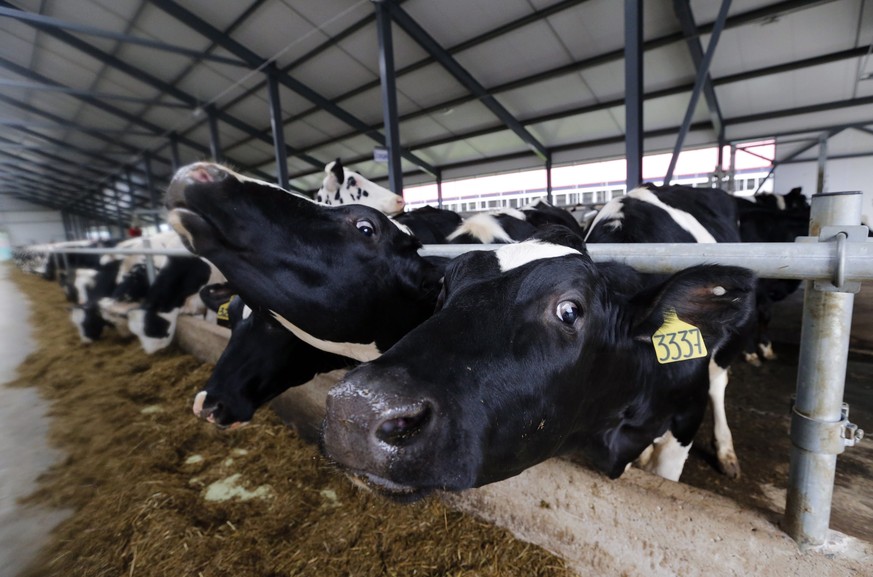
<point x="139" y="466"/>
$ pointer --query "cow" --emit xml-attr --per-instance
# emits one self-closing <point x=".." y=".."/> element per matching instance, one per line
<point x="342" y="186"/>
<point x="261" y="360"/>
<point x="119" y="282"/>
<point x="505" y="225"/>
<point x="346" y="279"/>
<point x="536" y="351"/>
<point x="175" y="291"/>
<point x="429" y="224"/>
<point x="766" y="222"/>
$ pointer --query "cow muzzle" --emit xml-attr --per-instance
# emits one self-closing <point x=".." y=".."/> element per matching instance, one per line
<point x="214" y="411"/>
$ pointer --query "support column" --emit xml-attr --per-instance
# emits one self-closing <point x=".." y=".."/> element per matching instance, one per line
<point x="150" y="184"/>
<point x="277" y="126"/>
<point x="821" y="184"/>
<point x="549" y="179"/>
<point x="633" y="91"/>
<point x="214" y="140"/>
<point x="818" y="418"/>
<point x="174" y="151"/>
<point x="389" y="96"/>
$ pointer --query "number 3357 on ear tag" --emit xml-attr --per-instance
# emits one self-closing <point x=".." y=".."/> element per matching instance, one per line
<point x="677" y="340"/>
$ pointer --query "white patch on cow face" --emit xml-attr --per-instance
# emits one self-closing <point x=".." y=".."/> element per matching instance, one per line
<point x="665" y="457"/>
<point x="84" y="280"/>
<point x="174" y="219"/>
<point x="246" y="313"/>
<point x="355" y="189"/>
<point x="515" y="255"/>
<point x="483" y="227"/>
<point x="403" y="228"/>
<point x="358" y="351"/>
<point x="199" y="399"/>
<point x="680" y="217"/>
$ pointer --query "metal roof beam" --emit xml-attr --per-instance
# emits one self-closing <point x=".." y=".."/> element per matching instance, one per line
<point x="447" y="61"/>
<point x="699" y="83"/>
<point x="682" y="8"/>
<point x="255" y="61"/>
<point x="47" y="21"/>
<point x="43" y="87"/>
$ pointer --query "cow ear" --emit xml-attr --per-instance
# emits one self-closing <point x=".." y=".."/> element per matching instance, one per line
<point x="560" y="234"/>
<point x="215" y="295"/>
<point x="717" y="300"/>
<point x="337" y="170"/>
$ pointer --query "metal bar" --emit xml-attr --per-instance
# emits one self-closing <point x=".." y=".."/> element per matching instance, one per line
<point x="821" y="184"/>
<point x="150" y="185"/>
<point x="549" y="198"/>
<point x="682" y="8"/>
<point x="214" y="140"/>
<point x="389" y="95"/>
<point x="788" y="260"/>
<point x="47" y="21"/>
<point x="453" y="67"/>
<point x="633" y="91"/>
<point x="43" y="87"/>
<point x="824" y="345"/>
<point x="699" y="82"/>
<point x="277" y="126"/>
<point x="174" y="151"/>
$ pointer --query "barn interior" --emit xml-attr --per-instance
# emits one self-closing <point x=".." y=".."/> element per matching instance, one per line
<point x="102" y="101"/>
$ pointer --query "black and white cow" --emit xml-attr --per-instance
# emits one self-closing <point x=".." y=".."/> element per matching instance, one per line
<point x="175" y="291"/>
<point x="429" y="224"/>
<point x="682" y="214"/>
<point x="505" y="225"/>
<point x="765" y="221"/>
<point x="537" y="352"/>
<point x="261" y="360"/>
<point x="346" y="280"/>
<point x="342" y="186"/>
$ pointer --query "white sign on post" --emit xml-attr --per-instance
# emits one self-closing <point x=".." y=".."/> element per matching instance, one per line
<point x="380" y="155"/>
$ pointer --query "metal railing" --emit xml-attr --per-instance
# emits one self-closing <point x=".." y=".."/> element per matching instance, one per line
<point x="832" y="260"/>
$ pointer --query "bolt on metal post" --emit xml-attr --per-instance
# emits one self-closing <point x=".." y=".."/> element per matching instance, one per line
<point x="818" y="417"/>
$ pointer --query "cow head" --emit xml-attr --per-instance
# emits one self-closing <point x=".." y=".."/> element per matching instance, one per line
<point x="347" y="278"/>
<point x="341" y="186"/>
<point x="261" y="360"/>
<point x="536" y="351"/>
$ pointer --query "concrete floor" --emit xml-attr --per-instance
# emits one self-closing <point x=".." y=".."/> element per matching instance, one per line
<point x="24" y="451"/>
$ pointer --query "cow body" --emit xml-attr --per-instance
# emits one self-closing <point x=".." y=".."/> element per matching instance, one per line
<point x="430" y="225"/>
<point x="175" y="291"/>
<point x="536" y="352"/>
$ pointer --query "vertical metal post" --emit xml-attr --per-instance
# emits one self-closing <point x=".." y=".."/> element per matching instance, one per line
<point x="821" y="184"/>
<point x="824" y="346"/>
<point x="549" y="179"/>
<point x="118" y="213"/>
<point x="732" y="170"/>
<point x="439" y="183"/>
<point x="174" y="151"/>
<point x="633" y="91"/>
<point x="214" y="141"/>
<point x="278" y="127"/>
<point x="389" y="96"/>
<point x="65" y="219"/>
<point x="150" y="184"/>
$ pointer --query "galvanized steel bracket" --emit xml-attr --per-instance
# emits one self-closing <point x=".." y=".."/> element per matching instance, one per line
<point x="824" y="437"/>
<point x="841" y="235"/>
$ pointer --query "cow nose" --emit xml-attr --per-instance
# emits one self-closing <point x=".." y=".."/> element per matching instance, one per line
<point x="403" y="425"/>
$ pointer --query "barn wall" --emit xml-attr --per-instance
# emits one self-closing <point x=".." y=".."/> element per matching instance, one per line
<point x="840" y="175"/>
<point x="28" y="223"/>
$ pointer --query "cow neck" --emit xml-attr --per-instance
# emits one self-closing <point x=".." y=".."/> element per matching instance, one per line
<point x="358" y="351"/>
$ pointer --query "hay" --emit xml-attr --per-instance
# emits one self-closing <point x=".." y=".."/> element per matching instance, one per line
<point x="139" y="467"/>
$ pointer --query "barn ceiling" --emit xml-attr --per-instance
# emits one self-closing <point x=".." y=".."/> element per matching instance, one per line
<point x="99" y="98"/>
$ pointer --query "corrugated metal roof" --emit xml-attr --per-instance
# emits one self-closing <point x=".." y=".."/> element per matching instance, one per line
<point x="91" y="88"/>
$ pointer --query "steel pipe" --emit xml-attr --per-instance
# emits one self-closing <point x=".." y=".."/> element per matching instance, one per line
<point x="819" y="419"/>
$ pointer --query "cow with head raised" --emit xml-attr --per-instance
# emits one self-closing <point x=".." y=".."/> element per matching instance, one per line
<point x="346" y="279"/>
<point x="536" y="351"/>
<point x="342" y="186"/>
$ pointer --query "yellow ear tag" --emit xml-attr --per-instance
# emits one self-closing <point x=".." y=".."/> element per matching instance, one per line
<point x="222" y="312"/>
<point x="676" y="340"/>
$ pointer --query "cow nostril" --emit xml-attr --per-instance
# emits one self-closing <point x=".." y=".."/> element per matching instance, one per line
<point x="402" y="428"/>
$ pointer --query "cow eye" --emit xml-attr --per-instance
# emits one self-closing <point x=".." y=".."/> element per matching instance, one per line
<point x="365" y="227"/>
<point x="567" y="312"/>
